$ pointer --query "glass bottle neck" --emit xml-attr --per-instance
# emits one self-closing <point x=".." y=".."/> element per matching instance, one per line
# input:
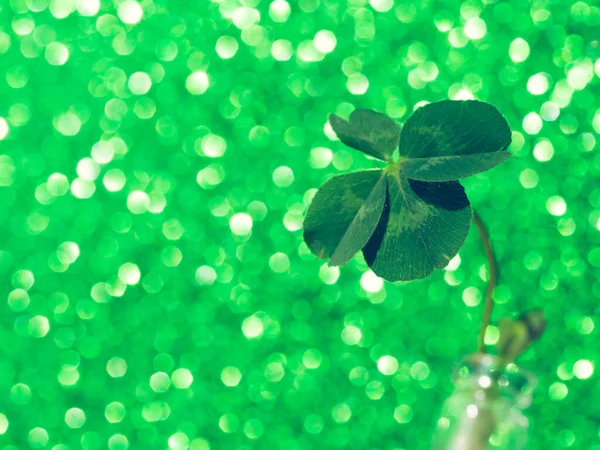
<point x="487" y="378"/>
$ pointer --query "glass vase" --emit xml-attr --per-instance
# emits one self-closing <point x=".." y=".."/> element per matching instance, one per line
<point x="485" y="411"/>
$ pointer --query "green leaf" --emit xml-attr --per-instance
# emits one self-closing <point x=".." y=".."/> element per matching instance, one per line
<point x="448" y="140"/>
<point x="423" y="228"/>
<point x="360" y="230"/>
<point x="448" y="168"/>
<point x="370" y="132"/>
<point x="344" y="214"/>
<point x="413" y="216"/>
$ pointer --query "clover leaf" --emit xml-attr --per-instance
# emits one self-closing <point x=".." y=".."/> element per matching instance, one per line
<point x="413" y="216"/>
<point x="370" y="132"/>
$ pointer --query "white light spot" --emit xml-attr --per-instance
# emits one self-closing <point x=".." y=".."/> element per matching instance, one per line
<point x="129" y="273"/>
<point x="328" y="274"/>
<point x="580" y="75"/>
<point x="492" y="334"/>
<point x="543" y="150"/>
<point x="182" y="378"/>
<point x="56" y="54"/>
<point x="556" y="206"/>
<point x="279" y="10"/>
<point x="114" y="180"/>
<point x="83" y="189"/>
<point x="67" y="124"/>
<point x="484" y="381"/>
<point x="463" y="94"/>
<point x="529" y="178"/>
<point x="472" y="411"/>
<point x="307" y="52"/>
<point x="351" y="335"/>
<point x="75" y="418"/>
<point x="532" y="123"/>
<point x="341" y="413"/>
<point x="227" y="47"/>
<point x="197" y="83"/>
<point x="68" y="252"/>
<point x="371" y="282"/>
<point x="160" y="382"/>
<point x="382" y="5"/>
<point x="252" y="327"/>
<point x="583" y="369"/>
<point x="116" y="367"/>
<point x="103" y="152"/>
<point x="538" y="84"/>
<point x="596" y="121"/>
<point x="403" y="414"/>
<point x="279" y="262"/>
<point x="283" y="176"/>
<point x="205" y="276"/>
<point x="325" y="41"/>
<point x="38" y="437"/>
<point x="87" y="8"/>
<point x="3" y="128"/>
<point x="3" y="423"/>
<point x="213" y="146"/>
<point x="138" y="202"/>
<point x="282" y="50"/>
<point x="18" y="300"/>
<point x="130" y="12"/>
<point x="454" y="263"/>
<point x="245" y="17"/>
<point x="320" y="157"/>
<point x="519" y="50"/>
<point x="471" y="296"/>
<point x="357" y="84"/>
<point x="139" y="83"/>
<point x="179" y="441"/>
<point x="457" y="37"/>
<point x="240" y="224"/>
<point x="231" y="376"/>
<point x="587" y="323"/>
<point x="38" y="326"/>
<point x="387" y="365"/>
<point x="475" y="28"/>
<point x="88" y="169"/>
<point x="550" y="111"/>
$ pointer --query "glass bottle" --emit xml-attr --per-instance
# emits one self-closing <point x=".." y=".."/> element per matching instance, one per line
<point x="485" y="412"/>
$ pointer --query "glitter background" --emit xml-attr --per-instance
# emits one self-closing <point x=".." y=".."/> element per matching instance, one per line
<point x="156" y="162"/>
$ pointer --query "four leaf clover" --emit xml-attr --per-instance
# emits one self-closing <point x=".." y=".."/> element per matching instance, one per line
<point x="413" y="216"/>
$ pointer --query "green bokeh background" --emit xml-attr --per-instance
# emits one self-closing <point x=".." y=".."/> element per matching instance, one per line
<point x="134" y="290"/>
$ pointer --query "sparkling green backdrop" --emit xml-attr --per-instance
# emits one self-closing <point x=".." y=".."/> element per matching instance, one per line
<point x="156" y="161"/>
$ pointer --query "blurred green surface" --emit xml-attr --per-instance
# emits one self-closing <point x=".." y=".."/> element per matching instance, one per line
<point x="156" y="161"/>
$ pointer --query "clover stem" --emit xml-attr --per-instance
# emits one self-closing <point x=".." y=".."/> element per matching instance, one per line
<point x="489" y="301"/>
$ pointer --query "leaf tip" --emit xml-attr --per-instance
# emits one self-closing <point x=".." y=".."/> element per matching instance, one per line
<point x="335" y="119"/>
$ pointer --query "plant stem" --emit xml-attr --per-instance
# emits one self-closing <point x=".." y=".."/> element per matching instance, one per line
<point x="489" y="301"/>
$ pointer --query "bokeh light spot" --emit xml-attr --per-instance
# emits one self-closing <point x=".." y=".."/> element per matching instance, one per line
<point x="475" y="28"/>
<point x="130" y="12"/>
<point x="240" y="224"/>
<point x="583" y="369"/>
<point x="197" y="83"/>
<point x="519" y="50"/>
<point x="387" y="365"/>
<point x="129" y="273"/>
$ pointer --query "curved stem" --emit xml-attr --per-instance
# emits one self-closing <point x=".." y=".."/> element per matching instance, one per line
<point x="489" y="301"/>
